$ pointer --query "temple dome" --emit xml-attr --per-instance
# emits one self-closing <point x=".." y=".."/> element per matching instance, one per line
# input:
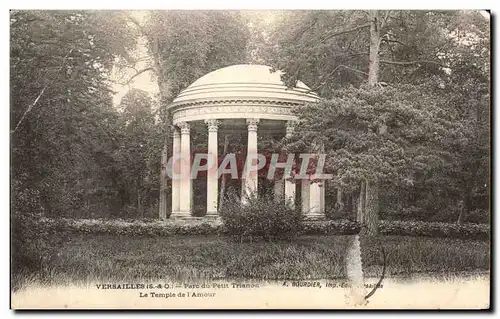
<point x="243" y="82"/>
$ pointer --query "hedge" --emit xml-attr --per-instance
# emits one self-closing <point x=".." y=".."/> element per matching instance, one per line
<point x="137" y="227"/>
<point x="215" y="227"/>
<point x="435" y="229"/>
<point x="332" y="227"/>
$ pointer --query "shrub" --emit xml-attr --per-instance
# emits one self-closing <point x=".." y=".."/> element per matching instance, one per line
<point x="262" y="217"/>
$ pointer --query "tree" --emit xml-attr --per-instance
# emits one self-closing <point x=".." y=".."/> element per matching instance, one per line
<point x="138" y="150"/>
<point x="314" y="49"/>
<point x="468" y="91"/>
<point x="62" y="120"/>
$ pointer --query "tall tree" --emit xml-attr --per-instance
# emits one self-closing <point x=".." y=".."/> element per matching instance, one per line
<point x="138" y="151"/>
<point x="314" y="48"/>
<point x="62" y="120"/>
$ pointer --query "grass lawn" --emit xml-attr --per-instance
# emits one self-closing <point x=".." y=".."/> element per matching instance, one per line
<point x="111" y="258"/>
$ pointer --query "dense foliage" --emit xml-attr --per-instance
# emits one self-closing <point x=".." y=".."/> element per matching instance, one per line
<point x="63" y="125"/>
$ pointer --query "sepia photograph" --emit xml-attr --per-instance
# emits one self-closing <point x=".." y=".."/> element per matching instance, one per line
<point x="250" y="159"/>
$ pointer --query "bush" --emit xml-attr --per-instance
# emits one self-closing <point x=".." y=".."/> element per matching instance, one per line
<point x="261" y="217"/>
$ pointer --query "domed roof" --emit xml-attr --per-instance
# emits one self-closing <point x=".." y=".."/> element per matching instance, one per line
<point x="244" y="82"/>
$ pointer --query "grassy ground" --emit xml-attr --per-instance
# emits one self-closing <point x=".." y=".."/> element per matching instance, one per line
<point x="108" y="258"/>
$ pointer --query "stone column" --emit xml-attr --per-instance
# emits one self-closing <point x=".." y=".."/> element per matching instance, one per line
<point x="289" y="182"/>
<point x="186" y="185"/>
<point x="176" y="166"/>
<point x="250" y="181"/>
<point x="317" y="192"/>
<point x="212" y="180"/>
<point x="322" y="197"/>
<point x="315" y="200"/>
<point x="290" y="192"/>
<point x="305" y="188"/>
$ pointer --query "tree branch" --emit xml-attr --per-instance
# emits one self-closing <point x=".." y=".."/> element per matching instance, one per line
<point x="350" y="55"/>
<point x="366" y="13"/>
<point x="387" y="14"/>
<point x="301" y="32"/>
<point x="324" y="82"/>
<point x="30" y="107"/>
<point x="328" y="36"/>
<point x="137" y="74"/>
<point x="406" y="63"/>
<point x="394" y="41"/>
<point x="331" y="73"/>
<point x="142" y="59"/>
<point x="354" y="70"/>
<point x="138" y="25"/>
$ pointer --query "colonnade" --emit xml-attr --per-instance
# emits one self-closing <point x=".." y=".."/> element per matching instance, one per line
<point x="313" y="194"/>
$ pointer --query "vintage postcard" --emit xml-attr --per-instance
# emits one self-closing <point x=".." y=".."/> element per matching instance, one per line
<point x="312" y="159"/>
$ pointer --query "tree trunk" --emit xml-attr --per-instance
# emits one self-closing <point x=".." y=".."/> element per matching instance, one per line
<point x="340" y="204"/>
<point x="139" y="204"/>
<point x="465" y="205"/>
<point x="352" y="204"/>
<point x="139" y="200"/>
<point x="371" y="218"/>
<point x="138" y="193"/>
<point x="461" y="215"/>
<point x="370" y="210"/>
<point x="164" y="101"/>
<point x="373" y="67"/>
<point x="163" y="182"/>
<point x="165" y="98"/>
<point x="360" y="207"/>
